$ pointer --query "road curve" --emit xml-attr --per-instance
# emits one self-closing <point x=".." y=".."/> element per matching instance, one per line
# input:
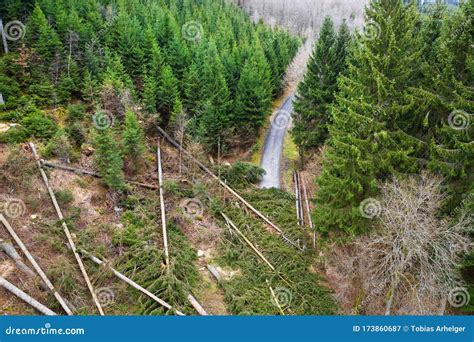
<point x="273" y="146"/>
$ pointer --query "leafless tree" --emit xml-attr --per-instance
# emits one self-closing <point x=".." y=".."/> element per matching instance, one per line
<point x="414" y="254"/>
<point x="305" y="17"/>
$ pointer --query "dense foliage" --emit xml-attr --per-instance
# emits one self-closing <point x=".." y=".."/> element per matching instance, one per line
<point x="316" y="92"/>
<point x="202" y="57"/>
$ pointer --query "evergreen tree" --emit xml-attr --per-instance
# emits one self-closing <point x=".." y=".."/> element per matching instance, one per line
<point x="375" y="122"/>
<point x="108" y="159"/>
<point x="254" y="93"/>
<point x="316" y="93"/>
<point x="167" y="94"/>
<point x="133" y="142"/>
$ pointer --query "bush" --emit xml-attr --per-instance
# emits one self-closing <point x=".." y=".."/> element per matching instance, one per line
<point x="17" y="169"/>
<point x="58" y="146"/>
<point x="64" y="197"/>
<point x="75" y="113"/>
<point x="242" y="174"/>
<point x="38" y="125"/>
<point x="76" y="133"/>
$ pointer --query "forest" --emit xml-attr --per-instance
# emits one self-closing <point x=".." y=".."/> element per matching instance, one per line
<point x="131" y="140"/>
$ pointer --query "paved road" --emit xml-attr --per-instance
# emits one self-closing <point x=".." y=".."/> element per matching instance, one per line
<point x="274" y="144"/>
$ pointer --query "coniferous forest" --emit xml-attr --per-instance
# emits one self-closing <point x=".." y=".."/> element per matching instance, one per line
<point x="134" y="131"/>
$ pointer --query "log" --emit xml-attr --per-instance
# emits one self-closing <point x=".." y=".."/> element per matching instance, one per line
<point x="215" y="273"/>
<point x="162" y="203"/>
<point x="66" y="229"/>
<point x="33" y="262"/>
<point x="196" y="305"/>
<point x="231" y="224"/>
<point x="300" y="199"/>
<point x="308" y="210"/>
<point x="92" y="174"/>
<point x="26" y="298"/>
<point x="131" y="282"/>
<point x="228" y="188"/>
<point x="297" y="200"/>
<point x="13" y="254"/>
<point x="272" y="292"/>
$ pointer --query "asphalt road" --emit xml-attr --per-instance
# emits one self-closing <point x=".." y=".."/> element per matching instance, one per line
<point x="273" y="147"/>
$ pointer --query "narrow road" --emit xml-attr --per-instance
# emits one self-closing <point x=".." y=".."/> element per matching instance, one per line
<point x="273" y="147"/>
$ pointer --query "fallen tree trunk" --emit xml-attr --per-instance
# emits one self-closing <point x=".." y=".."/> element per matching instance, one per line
<point x="13" y="254"/>
<point x="308" y="209"/>
<point x="231" y="224"/>
<point x="162" y="203"/>
<point x="92" y="174"/>
<point x="297" y="200"/>
<point x="26" y="298"/>
<point x="131" y="283"/>
<point x="33" y="262"/>
<point x="66" y="229"/>
<point x="196" y="305"/>
<point x="228" y="188"/>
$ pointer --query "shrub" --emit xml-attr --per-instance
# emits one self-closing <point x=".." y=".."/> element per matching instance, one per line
<point x="38" y="125"/>
<point x="242" y="174"/>
<point x="17" y="169"/>
<point x="58" y="146"/>
<point x="75" y="113"/>
<point x="64" y="197"/>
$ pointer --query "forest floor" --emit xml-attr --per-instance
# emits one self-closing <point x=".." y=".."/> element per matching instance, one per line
<point x="114" y="229"/>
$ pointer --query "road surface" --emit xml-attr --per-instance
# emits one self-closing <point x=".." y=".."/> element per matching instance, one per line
<point x="273" y="147"/>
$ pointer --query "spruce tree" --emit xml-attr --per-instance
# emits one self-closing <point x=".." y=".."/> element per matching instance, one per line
<point x="316" y="93"/>
<point x="254" y="93"/>
<point x="108" y="159"/>
<point x="133" y="142"/>
<point x="167" y="94"/>
<point x="375" y="122"/>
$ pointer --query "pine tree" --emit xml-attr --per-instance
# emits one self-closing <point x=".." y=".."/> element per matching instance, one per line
<point x="167" y="94"/>
<point x="375" y="121"/>
<point x="133" y="142"/>
<point x="316" y="93"/>
<point x="449" y="95"/>
<point x="254" y="93"/>
<point x="108" y="160"/>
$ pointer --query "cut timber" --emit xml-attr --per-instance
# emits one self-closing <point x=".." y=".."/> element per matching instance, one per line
<point x="297" y="199"/>
<point x="308" y="210"/>
<point x="300" y="198"/>
<point x="196" y="305"/>
<point x="66" y="229"/>
<point x="162" y="203"/>
<point x="215" y="273"/>
<point x="26" y="298"/>
<point x="231" y="224"/>
<point x="131" y="283"/>
<point x="92" y="174"/>
<point x="275" y="299"/>
<point x="228" y="188"/>
<point x="33" y="262"/>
